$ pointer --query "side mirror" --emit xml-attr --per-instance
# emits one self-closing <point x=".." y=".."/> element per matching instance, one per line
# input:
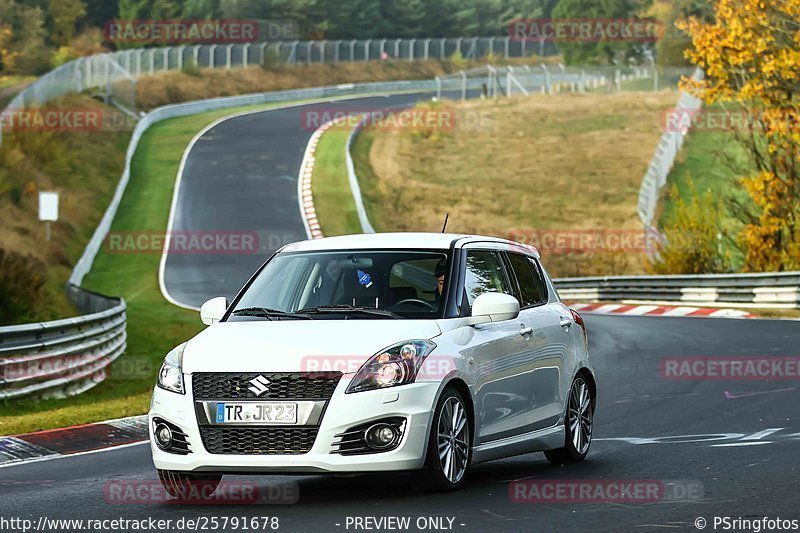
<point x="494" y="307"/>
<point x="213" y="310"/>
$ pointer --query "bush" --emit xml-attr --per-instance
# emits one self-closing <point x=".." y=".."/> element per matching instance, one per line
<point x="63" y="55"/>
<point x="21" y="278"/>
<point x="458" y="61"/>
<point x="272" y="60"/>
<point x="16" y="193"/>
<point x="190" y="68"/>
<point x="692" y="239"/>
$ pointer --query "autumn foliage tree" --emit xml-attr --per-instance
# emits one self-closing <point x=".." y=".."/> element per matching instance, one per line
<point x="751" y="57"/>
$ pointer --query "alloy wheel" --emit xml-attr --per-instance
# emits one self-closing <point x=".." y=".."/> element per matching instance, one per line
<point x="580" y="416"/>
<point x="453" y="440"/>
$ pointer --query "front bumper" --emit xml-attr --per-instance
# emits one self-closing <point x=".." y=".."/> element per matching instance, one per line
<point x="415" y="402"/>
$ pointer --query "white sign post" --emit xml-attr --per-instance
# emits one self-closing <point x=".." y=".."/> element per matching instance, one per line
<point x="48" y="208"/>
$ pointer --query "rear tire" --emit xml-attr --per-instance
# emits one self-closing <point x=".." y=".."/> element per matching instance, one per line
<point x="449" y="444"/>
<point x="188" y="486"/>
<point x="577" y="425"/>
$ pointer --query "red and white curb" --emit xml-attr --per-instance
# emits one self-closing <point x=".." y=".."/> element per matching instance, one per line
<point x="75" y="440"/>
<point x="306" y="172"/>
<point x="659" y="310"/>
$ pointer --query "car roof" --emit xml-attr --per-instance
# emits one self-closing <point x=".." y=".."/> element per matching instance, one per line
<point x="423" y="241"/>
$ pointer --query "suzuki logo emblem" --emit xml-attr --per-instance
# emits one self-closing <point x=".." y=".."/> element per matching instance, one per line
<point x="260" y="385"/>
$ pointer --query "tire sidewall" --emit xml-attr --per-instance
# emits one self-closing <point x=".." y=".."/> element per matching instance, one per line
<point x="433" y="466"/>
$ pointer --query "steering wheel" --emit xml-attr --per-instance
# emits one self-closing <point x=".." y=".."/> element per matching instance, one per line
<point x="417" y="301"/>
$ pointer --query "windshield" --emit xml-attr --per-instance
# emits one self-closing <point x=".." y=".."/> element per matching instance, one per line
<point x="349" y="284"/>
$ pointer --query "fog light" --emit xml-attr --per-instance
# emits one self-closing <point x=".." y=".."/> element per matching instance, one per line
<point x="381" y="436"/>
<point x="163" y="436"/>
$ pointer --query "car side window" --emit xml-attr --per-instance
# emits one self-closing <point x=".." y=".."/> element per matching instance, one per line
<point x="484" y="274"/>
<point x="538" y="280"/>
<point x="530" y="286"/>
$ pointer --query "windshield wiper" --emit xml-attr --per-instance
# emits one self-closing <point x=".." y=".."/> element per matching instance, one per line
<point x="348" y="309"/>
<point x="264" y="312"/>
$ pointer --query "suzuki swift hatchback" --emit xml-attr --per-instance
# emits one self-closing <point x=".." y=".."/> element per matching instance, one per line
<point x="386" y="352"/>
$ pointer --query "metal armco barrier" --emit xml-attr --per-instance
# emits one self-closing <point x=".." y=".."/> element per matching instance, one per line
<point x="779" y="290"/>
<point x="63" y="357"/>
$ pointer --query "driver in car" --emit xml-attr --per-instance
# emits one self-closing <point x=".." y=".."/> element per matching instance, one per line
<point x="439" y="274"/>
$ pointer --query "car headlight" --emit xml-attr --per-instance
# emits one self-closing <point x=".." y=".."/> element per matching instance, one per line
<point x="170" y="377"/>
<point x="396" y="365"/>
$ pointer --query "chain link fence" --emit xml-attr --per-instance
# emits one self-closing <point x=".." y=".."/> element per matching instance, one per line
<point x="664" y="159"/>
<point x="115" y="73"/>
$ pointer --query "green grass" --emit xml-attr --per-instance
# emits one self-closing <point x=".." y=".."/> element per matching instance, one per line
<point x="716" y="163"/>
<point x="366" y="176"/>
<point x="154" y="325"/>
<point x="333" y="198"/>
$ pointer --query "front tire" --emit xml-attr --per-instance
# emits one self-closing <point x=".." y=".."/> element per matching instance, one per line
<point x="188" y="486"/>
<point x="448" y="445"/>
<point x="577" y="425"/>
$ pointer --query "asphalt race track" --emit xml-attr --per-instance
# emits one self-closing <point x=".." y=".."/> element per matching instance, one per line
<point x="743" y="471"/>
<point x="240" y="179"/>
<point x="735" y="440"/>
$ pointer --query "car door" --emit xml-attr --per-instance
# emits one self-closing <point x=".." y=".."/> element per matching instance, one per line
<point x="548" y="343"/>
<point x="496" y="353"/>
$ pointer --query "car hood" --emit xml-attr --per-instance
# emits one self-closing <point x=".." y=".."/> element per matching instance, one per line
<point x="298" y="345"/>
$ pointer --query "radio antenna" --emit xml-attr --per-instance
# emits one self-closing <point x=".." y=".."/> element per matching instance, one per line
<point x="446" y="218"/>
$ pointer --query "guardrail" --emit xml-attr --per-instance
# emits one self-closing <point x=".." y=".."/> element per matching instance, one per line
<point x="769" y="290"/>
<point x="63" y="357"/>
<point x="664" y="159"/>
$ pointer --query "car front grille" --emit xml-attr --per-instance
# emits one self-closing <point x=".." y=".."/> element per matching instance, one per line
<point x="259" y="440"/>
<point x="282" y="386"/>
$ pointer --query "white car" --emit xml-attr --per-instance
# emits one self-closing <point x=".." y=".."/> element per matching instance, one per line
<point x="386" y="352"/>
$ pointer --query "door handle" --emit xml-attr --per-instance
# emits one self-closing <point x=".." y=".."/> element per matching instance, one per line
<point x="525" y="331"/>
<point x="565" y="322"/>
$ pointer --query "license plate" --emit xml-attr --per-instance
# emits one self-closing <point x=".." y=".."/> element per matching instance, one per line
<point x="256" y="412"/>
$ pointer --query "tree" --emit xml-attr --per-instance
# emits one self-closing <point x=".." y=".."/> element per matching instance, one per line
<point x="8" y="58"/>
<point x="150" y="9"/>
<point x="750" y="53"/>
<point x="98" y="12"/>
<point x="201" y="9"/>
<point x="64" y="14"/>
<point x="608" y="51"/>
<point x="401" y="19"/>
<point x="28" y="37"/>
<point x="672" y="46"/>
